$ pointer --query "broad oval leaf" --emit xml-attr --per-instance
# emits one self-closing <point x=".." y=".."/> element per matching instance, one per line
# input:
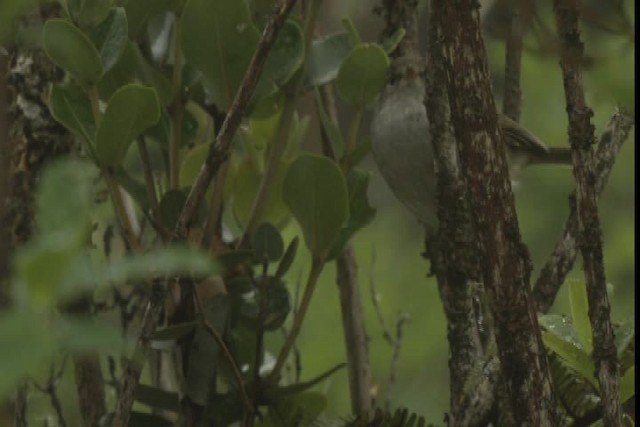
<point x="191" y="164"/>
<point x="110" y="38"/>
<point x="132" y="109"/>
<point x="70" y="105"/>
<point x="71" y="50"/>
<point x="244" y="185"/>
<point x="360" y="211"/>
<point x="284" y="59"/>
<point x="219" y="38"/>
<point x="88" y="13"/>
<point x="315" y="191"/>
<point x="267" y="242"/>
<point x="326" y="56"/>
<point x="362" y="75"/>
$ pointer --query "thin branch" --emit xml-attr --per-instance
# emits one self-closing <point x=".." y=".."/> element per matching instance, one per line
<point x="561" y="260"/>
<point x="149" y="181"/>
<point x="375" y="302"/>
<point x="581" y="138"/>
<point x="50" y="388"/>
<point x="176" y="109"/>
<point x="395" y="358"/>
<point x="227" y="353"/>
<point x="219" y="151"/>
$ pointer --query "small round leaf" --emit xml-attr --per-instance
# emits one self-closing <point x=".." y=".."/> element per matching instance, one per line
<point x="267" y="242"/>
<point x="362" y="75"/>
<point x="71" y="50"/>
<point x="132" y="109"/>
<point x="315" y="191"/>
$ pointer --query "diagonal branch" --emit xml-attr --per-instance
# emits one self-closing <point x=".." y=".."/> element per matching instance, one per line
<point x="219" y="151"/>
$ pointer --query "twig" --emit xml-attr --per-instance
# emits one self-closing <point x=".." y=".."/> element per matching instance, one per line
<point x="393" y="368"/>
<point x="316" y="268"/>
<point x="176" y="109"/>
<point x="219" y="151"/>
<point x="386" y="332"/>
<point x="148" y="177"/>
<point x="562" y="258"/>
<point x="51" y="389"/>
<point x="581" y="138"/>
<point x="227" y="354"/>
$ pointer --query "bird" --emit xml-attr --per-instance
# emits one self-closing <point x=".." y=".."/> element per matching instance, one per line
<point x="402" y="149"/>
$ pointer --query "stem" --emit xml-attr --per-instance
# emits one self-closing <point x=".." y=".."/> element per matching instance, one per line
<point x="148" y="177"/>
<point x="352" y="138"/>
<point x="94" y="97"/>
<point x="121" y="212"/>
<point x="227" y="354"/>
<point x="176" y="109"/>
<point x="316" y="268"/>
<point x="215" y="210"/>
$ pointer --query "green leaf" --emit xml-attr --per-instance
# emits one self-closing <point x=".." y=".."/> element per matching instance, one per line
<point x="267" y="242"/>
<point x="580" y="313"/>
<point x="70" y="106"/>
<point x="71" y="50"/>
<point x="574" y="357"/>
<point x="362" y="75"/>
<point x="326" y="56"/>
<point x="287" y="259"/>
<point x="625" y="343"/>
<point x="122" y="72"/>
<point x="277" y="304"/>
<point x="244" y="186"/>
<point x="191" y="164"/>
<point x="354" y="37"/>
<point x="157" y="398"/>
<point x="285" y="58"/>
<point x="88" y="13"/>
<point x="628" y="384"/>
<point x="315" y="191"/>
<point x="110" y="37"/>
<point x="390" y="44"/>
<point x="132" y="109"/>
<point x="360" y="211"/>
<point x="219" y="38"/>
<point x="153" y="76"/>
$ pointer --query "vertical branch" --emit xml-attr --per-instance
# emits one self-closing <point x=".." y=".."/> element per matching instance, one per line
<point x="504" y="259"/>
<point x="452" y="253"/>
<point x="355" y="333"/>
<point x="564" y="254"/>
<point x="512" y="102"/>
<point x="581" y="138"/>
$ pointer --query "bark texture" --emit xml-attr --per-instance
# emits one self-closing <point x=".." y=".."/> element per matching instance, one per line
<point x="505" y="262"/>
<point x="582" y="138"/>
